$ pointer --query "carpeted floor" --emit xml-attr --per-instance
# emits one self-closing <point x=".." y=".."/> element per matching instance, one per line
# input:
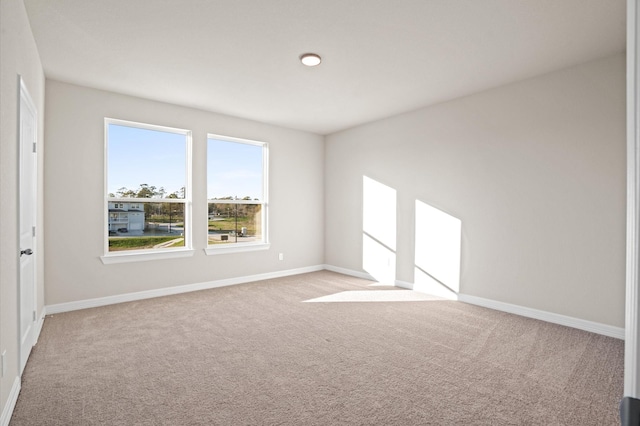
<point x="255" y="354"/>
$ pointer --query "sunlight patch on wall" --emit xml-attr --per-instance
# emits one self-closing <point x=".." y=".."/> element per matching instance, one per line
<point x="379" y="212"/>
<point x="379" y="230"/>
<point x="378" y="260"/>
<point x="424" y="283"/>
<point x="437" y="251"/>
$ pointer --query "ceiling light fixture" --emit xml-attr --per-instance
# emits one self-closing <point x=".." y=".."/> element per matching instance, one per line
<point x="310" y="59"/>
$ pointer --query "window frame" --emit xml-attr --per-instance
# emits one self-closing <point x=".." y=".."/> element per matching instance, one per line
<point x="149" y="254"/>
<point x="264" y="244"/>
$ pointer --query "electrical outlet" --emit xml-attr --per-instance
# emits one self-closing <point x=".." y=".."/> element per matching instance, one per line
<point x="3" y="363"/>
<point x="281" y="256"/>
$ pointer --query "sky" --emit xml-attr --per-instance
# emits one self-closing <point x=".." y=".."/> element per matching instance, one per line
<point x="156" y="158"/>
<point x="233" y="169"/>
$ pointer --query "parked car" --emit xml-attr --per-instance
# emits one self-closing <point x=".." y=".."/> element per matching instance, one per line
<point x="123" y="230"/>
<point x="112" y="233"/>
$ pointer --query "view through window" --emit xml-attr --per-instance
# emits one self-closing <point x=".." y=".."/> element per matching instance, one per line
<point x="147" y="186"/>
<point x="236" y="191"/>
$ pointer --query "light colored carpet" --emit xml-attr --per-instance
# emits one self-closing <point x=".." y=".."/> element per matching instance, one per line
<point x="255" y="354"/>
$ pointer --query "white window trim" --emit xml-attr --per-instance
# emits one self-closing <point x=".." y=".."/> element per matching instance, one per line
<point x="236" y="248"/>
<point x="143" y="255"/>
<point x="215" y="249"/>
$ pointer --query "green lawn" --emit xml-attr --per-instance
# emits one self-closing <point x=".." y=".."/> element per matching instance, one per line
<point x="228" y="224"/>
<point x="139" y="243"/>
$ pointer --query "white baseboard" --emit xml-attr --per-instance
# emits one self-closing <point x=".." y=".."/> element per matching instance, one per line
<point x="404" y="284"/>
<point x="590" y="326"/>
<point x="130" y="297"/>
<point x="38" y="326"/>
<point x="7" y="411"/>
<point x="593" y="327"/>
<point x="350" y="272"/>
<point x="432" y="288"/>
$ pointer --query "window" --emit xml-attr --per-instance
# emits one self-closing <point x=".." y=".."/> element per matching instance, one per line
<point x="148" y="194"/>
<point x="237" y="194"/>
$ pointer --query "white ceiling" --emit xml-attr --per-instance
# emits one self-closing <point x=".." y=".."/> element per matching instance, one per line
<point x="380" y="57"/>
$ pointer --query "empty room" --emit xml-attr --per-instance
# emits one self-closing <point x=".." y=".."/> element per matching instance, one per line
<point x="319" y="212"/>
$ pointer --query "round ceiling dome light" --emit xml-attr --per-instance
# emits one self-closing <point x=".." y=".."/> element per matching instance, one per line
<point x="310" y="59"/>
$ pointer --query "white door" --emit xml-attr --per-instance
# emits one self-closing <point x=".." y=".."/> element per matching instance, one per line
<point x="27" y="217"/>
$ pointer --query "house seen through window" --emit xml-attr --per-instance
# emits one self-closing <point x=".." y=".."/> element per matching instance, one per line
<point x="147" y="192"/>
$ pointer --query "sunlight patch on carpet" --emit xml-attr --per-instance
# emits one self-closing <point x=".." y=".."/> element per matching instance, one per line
<point x="376" y="296"/>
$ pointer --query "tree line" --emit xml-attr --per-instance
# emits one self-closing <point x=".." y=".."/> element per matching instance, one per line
<point x="147" y="191"/>
<point x="150" y="191"/>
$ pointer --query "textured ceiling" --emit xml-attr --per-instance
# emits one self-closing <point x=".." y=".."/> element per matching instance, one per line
<point x="380" y="57"/>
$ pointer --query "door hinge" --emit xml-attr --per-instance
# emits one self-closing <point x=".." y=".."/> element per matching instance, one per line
<point x="34" y="316"/>
<point x="34" y="147"/>
<point x="33" y="230"/>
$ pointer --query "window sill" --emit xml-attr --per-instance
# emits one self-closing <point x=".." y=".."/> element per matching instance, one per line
<point x="141" y="256"/>
<point x="236" y="248"/>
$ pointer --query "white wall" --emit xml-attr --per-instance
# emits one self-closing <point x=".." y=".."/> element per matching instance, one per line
<point x="19" y="56"/>
<point x="534" y="170"/>
<point x="74" y="172"/>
